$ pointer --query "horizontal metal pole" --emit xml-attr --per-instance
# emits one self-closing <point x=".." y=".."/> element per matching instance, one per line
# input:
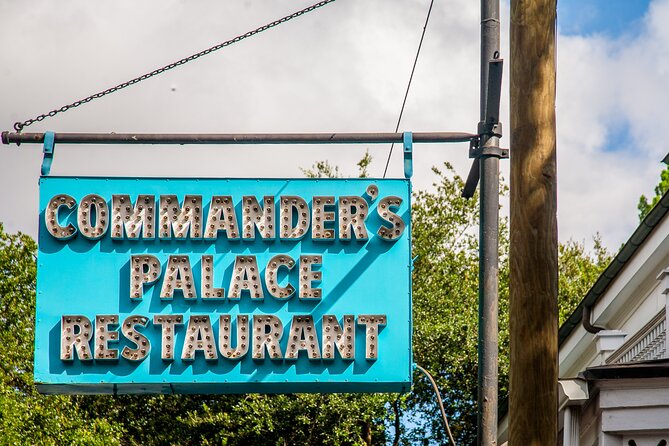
<point x="235" y="138"/>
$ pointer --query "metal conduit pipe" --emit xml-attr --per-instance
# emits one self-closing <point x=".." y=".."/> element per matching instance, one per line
<point x="237" y="138"/>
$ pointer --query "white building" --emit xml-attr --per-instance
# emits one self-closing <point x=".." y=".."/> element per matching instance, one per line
<point x="614" y="366"/>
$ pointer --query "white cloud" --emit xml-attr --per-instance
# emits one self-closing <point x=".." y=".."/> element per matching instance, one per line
<point x="605" y="85"/>
<point x="342" y="68"/>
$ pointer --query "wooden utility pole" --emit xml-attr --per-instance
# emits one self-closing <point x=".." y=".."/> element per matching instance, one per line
<point x="533" y="250"/>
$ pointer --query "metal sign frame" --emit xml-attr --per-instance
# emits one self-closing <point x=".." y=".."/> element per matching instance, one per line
<point x="95" y="282"/>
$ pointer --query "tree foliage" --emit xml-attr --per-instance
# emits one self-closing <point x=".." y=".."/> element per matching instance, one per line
<point x="578" y="271"/>
<point x="644" y="206"/>
<point x="445" y="308"/>
<point x="305" y="419"/>
<point x="445" y="299"/>
<point x="323" y="169"/>
<point x="27" y="417"/>
<point x="445" y="304"/>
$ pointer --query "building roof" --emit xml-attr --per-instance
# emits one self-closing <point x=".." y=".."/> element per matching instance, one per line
<point x="628" y="250"/>
<point x="658" y="368"/>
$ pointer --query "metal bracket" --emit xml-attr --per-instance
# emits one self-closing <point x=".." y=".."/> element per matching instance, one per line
<point x="485" y="128"/>
<point x="48" y="152"/>
<point x="488" y="129"/>
<point x="407" y="138"/>
<point x="475" y="151"/>
<point x="413" y="261"/>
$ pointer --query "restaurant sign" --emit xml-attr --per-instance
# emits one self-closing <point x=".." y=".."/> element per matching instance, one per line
<point x="156" y="285"/>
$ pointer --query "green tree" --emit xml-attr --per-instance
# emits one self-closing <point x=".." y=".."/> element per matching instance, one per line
<point x="578" y="270"/>
<point x="323" y="169"/>
<point x="445" y="305"/>
<point x="26" y="417"/>
<point x="305" y="419"/>
<point x="644" y="205"/>
<point x="445" y="298"/>
<point x="445" y="314"/>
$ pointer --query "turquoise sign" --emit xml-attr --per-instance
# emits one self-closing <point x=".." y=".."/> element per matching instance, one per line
<point x="156" y="285"/>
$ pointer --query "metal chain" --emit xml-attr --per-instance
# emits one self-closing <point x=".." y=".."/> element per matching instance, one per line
<point x="18" y="126"/>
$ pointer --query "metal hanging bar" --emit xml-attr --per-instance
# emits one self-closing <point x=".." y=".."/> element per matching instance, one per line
<point x="408" y="154"/>
<point x="236" y="138"/>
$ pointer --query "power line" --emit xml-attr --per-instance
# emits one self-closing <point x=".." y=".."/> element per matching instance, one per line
<point x="406" y="94"/>
<point x="18" y="126"/>
<point x="441" y="403"/>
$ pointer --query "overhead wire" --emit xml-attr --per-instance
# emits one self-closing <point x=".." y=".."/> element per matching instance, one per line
<point x="406" y="93"/>
<point x="18" y="126"/>
<point x="441" y="403"/>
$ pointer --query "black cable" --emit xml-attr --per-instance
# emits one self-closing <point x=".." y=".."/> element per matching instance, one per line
<point x="18" y="126"/>
<point x="441" y="403"/>
<point x="406" y="94"/>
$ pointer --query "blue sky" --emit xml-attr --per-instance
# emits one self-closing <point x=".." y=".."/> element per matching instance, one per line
<point x="611" y="17"/>
<point x="612" y="76"/>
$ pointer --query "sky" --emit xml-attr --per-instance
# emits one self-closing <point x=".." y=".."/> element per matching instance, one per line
<point x="609" y="17"/>
<point x="342" y="68"/>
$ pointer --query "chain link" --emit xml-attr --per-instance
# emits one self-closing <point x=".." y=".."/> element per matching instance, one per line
<point x="18" y="126"/>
